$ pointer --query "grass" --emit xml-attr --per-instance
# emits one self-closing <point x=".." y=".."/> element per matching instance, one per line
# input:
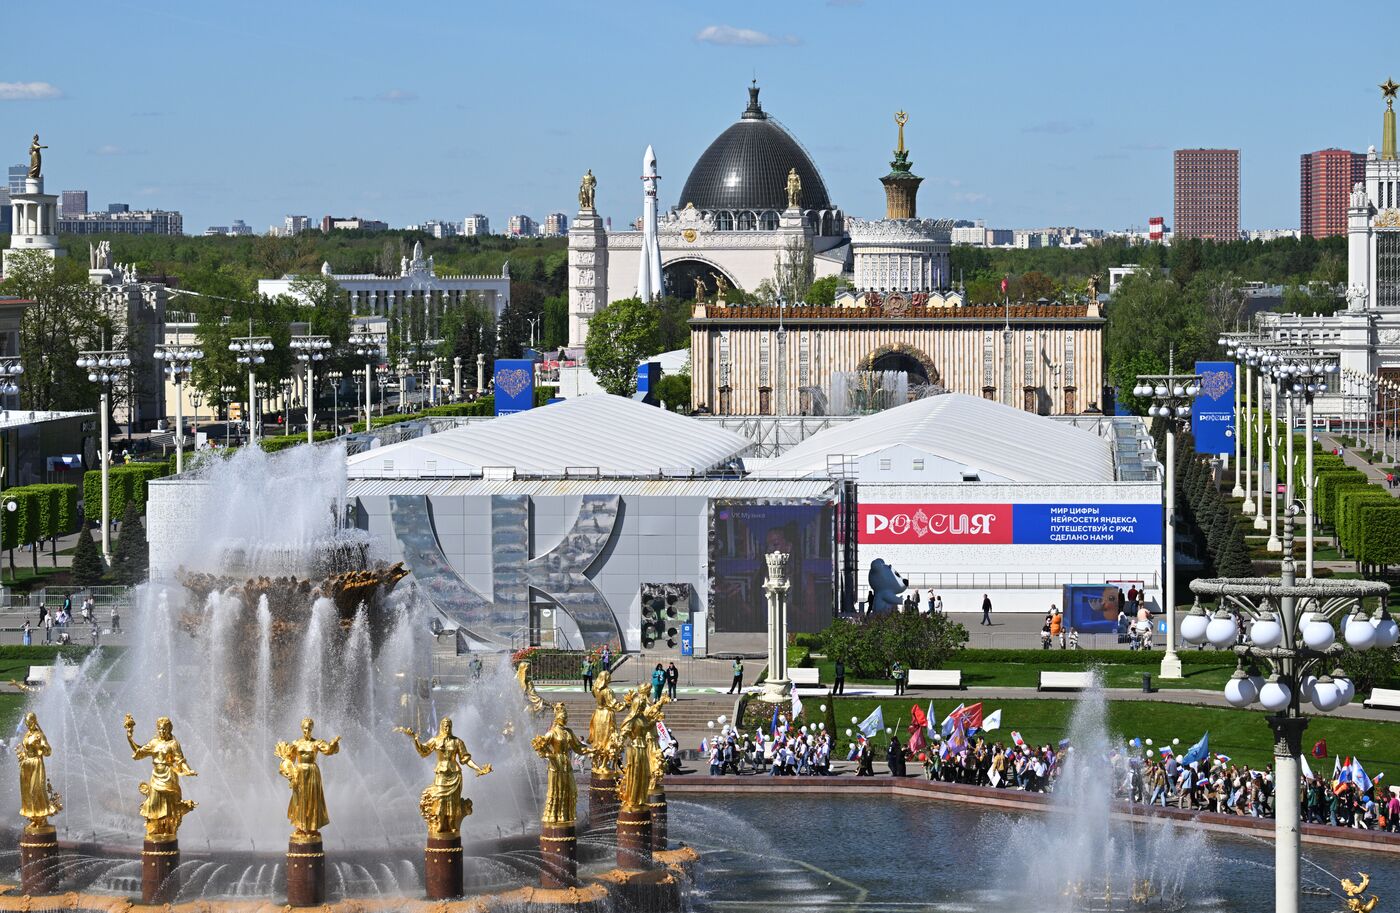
<point x="11" y="705"/>
<point x="1027" y="675"/>
<point x="1241" y="734"/>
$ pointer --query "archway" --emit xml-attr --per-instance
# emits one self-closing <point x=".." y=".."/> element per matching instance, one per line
<point x="678" y="278"/>
<point x="900" y="357"/>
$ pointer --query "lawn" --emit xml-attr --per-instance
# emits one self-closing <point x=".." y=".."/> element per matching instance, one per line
<point x="1241" y="734"/>
<point x="1027" y="675"/>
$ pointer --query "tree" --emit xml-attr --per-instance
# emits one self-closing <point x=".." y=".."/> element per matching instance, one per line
<point x="792" y="271"/>
<point x="131" y="554"/>
<point x="555" y="326"/>
<point x="822" y="292"/>
<point x="619" y="337"/>
<point x="674" y="391"/>
<point x="87" y="563"/>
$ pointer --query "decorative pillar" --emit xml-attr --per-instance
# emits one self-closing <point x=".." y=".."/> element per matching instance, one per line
<point x="1259" y="521"/>
<point x="634" y="839"/>
<point x="480" y="372"/>
<point x="442" y="866"/>
<point x="559" y="856"/>
<point x="776" y="687"/>
<point x="656" y="801"/>
<point x="160" y="880"/>
<point x="602" y="796"/>
<point x="38" y="851"/>
<point x="457" y="379"/>
<point x="306" y="872"/>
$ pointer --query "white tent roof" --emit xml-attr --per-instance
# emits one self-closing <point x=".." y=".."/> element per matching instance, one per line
<point x="615" y="436"/>
<point x="986" y="437"/>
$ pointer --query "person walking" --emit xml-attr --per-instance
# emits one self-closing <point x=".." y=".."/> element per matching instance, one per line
<point x="673" y="678"/>
<point x="839" y="686"/>
<point x="658" y="682"/>
<point x="986" y="609"/>
<point x="738" y="683"/>
<point x="587" y="673"/>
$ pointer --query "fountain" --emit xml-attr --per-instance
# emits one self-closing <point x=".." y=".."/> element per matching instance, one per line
<point x="271" y="612"/>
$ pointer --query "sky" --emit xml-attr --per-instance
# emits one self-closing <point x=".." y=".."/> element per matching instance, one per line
<point x="1022" y="114"/>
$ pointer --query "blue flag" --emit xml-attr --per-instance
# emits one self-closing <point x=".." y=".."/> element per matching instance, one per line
<point x="773" y="727"/>
<point x="874" y="724"/>
<point x="1198" y="752"/>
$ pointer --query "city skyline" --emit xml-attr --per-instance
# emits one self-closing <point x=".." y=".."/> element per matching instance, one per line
<point x="415" y="138"/>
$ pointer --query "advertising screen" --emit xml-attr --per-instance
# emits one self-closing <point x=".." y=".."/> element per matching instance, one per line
<point x="742" y="533"/>
<point x="1091" y="608"/>
<point x="1010" y="524"/>
<point x="515" y="385"/>
<point x="1213" y="411"/>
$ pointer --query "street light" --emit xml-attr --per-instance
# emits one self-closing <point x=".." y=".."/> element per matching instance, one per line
<point x="179" y="364"/>
<point x="1171" y="396"/>
<point x="335" y="377"/>
<point x="105" y="366"/>
<point x="403" y="383"/>
<point x="368" y="345"/>
<point x="382" y="373"/>
<point x="196" y="400"/>
<point x="250" y="351"/>
<point x="1304" y="376"/>
<point x="10" y="370"/>
<point x="226" y="395"/>
<point x="310" y="349"/>
<point x="1292" y="635"/>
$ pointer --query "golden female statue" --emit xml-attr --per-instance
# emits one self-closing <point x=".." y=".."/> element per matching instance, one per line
<point x="37" y="800"/>
<point x="602" y="727"/>
<point x="442" y="804"/>
<point x="527" y="685"/>
<point x="307" y="808"/>
<point x="165" y="804"/>
<point x="557" y="746"/>
<point x="36" y="158"/>
<point x="638" y="730"/>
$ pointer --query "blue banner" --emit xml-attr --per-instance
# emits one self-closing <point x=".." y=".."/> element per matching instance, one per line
<point x="687" y="638"/>
<point x="1086" y="524"/>
<point x="1091" y="608"/>
<point x="1213" y="411"/>
<point x="515" y="385"/>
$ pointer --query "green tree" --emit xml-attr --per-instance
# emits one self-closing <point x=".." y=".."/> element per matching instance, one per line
<point x="555" y="332"/>
<point x="87" y="563"/>
<point x="822" y="292"/>
<point x="131" y="553"/>
<point x="792" y="271"/>
<point x="674" y="391"/>
<point x="619" y="337"/>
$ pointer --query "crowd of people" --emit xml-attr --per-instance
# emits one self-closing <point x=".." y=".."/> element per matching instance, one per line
<point x="56" y="623"/>
<point x="784" y="750"/>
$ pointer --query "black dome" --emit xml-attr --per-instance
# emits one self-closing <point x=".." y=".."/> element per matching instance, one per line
<point x="746" y="167"/>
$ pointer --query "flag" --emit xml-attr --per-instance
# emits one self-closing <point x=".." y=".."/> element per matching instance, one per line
<point x="1341" y="772"/>
<point x="931" y="718"/>
<point x="950" y="720"/>
<point x="1016" y="737"/>
<point x="917" y="718"/>
<point x="957" y="741"/>
<point x="773" y="727"/>
<point x="971" y="717"/>
<point x="1003" y="285"/>
<point x="1165" y="751"/>
<point x="993" y="721"/>
<point x="1358" y="776"/>
<point x="917" y="722"/>
<point x="1198" y="752"/>
<point x="873" y="724"/>
<point x="704" y="746"/>
<point x="796" y="706"/>
<point x="1319" y="749"/>
<point x="1307" y="771"/>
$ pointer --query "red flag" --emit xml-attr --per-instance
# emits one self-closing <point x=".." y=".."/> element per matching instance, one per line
<point x="970" y="717"/>
<point x="917" y="717"/>
<point x="1003" y="285"/>
<point x="917" y="742"/>
<point x="1319" y="749"/>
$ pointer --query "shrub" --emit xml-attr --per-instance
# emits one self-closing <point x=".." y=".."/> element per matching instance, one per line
<point x="1379" y="539"/>
<point x="131" y="554"/>
<point x="282" y="441"/>
<point x="87" y="563"/>
<point x="868" y="646"/>
<point x="126" y="483"/>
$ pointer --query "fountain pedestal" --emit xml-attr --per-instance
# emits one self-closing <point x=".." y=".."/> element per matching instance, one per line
<point x="159" y="880"/>
<point x="656" y="802"/>
<point x="38" y="873"/>
<point x="559" y="855"/>
<point x="602" y="797"/>
<point x="634" y="839"/>
<point x="306" y="873"/>
<point x="442" y="871"/>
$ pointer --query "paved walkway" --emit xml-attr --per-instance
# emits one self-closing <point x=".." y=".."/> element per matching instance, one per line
<point x="1374" y="473"/>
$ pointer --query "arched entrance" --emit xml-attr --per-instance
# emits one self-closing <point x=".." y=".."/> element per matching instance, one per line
<point x="679" y="277"/>
<point x="904" y="358"/>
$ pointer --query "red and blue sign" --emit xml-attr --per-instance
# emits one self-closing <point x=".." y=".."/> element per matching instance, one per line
<point x="1213" y="410"/>
<point x="1010" y="524"/>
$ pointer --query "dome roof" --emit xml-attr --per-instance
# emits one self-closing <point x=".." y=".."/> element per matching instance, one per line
<point x="746" y="167"/>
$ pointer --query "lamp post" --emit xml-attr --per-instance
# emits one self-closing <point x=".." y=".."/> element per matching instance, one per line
<point x="310" y="349"/>
<point x="404" y="369"/>
<point x="104" y="367"/>
<point x="1292" y="635"/>
<point x="1304" y="376"/>
<point x="10" y="370"/>
<point x="249" y="350"/>
<point x="227" y="392"/>
<point x="335" y="377"/>
<point x="196" y="400"/>
<point x="382" y="373"/>
<point x="457" y="379"/>
<point x="1171" y="396"/>
<point x="179" y="363"/>
<point x="367" y="345"/>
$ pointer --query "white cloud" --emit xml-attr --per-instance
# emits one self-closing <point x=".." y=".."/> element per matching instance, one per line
<point x="28" y="91"/>
<point x="750" y="38"/>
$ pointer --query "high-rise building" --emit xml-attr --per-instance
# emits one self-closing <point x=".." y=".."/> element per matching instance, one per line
<point x="556" y="224"/>
<point x="476" y="224"/>
<point x="1325" y="180"/>
<point x="72" y="203"/>
<point x="123" y="222"/>
<point x="17" y="175"/>
<point x="1206" y="194"/>
<point x="240" y="228"/>
<point x="353" y="223"/>
<point x="1156" y="229"/>
<point x="522" y="226"/>
<point x="114" y="208"/>
<point x="295" y="225"/>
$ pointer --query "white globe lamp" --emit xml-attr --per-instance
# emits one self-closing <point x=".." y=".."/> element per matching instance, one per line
<point x="1274" y="695"/>
<point x="1266" y="632"/>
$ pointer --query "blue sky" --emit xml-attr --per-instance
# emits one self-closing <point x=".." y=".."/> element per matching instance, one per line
<point x="1024" y="114"/>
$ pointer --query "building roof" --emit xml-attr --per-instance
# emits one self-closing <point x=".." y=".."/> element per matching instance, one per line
<point x="994" y="441"/>
<point x="763" y="489"/>
<point x="747" y="166"/>
<point x="615" y="436"/>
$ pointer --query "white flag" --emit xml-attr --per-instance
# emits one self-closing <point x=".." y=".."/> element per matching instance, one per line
<point x="992" y="721"/>
<point x="796" y="705"/>
<point x="1307" y="771"/>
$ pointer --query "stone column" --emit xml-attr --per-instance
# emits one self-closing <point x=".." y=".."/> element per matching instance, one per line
<point x="38" y="850"/>
<point x="442" y="869"/>
<point x="634" y="839"/>
<point x="656" y="802"/>
<point x="559" y="855"/>
<point x="306" y="873"/>
<point x="160" y="881"/>
<point x="776" y="687"/>
<point x="602" y="797"/>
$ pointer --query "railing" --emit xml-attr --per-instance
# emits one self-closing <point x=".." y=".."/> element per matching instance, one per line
<point x="938" y="581"/>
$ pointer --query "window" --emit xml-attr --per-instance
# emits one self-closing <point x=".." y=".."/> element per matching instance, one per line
<point x="919" y="465"/>
<point x="886" y="465"/>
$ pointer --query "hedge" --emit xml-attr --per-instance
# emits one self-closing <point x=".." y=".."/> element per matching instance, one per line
<point x="1086" y="658"/>
<point x="1348" y="523"/>
<point x="127" y="482"/>
<point x="283" y="441"/>
<point x="41" y="512"/>
<point x="1327" y="484"/>
<point x="1380" y="534"/>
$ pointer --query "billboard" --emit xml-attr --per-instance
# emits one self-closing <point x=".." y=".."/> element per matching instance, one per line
<point x="514" y="385"/>
<point x="1010" y="524"/>
<point x="1091" y="608"/>
<point x="1213" y="411"/>
<point x="743" y="532"/>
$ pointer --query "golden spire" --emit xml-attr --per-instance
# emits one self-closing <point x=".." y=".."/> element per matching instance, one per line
<point x="901" y="118"/>
<point x="1388" y="90"/>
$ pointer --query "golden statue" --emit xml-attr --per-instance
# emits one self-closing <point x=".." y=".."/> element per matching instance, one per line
<point x="165" y="804"/>
<point x="586" y="190"/>
<point x="36" y="158"/>
<point x="1093" y="288"/>
<point x="721" y="286"/>
<point x="700" y="289"/>
<point x="307" y="809"/>
<point x="1354" y="890"/>
<point x="602" y="727"/>
<point x="527" y="685"/>
<point x="658" y="761"/>
<point x="900" y="118"/>
<point x="558" y="746"/>
<point x="638" y="731"/>
<point x="442" y="804"/>
<point x="37" y="799"/>
<point x="794" y="189"/>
